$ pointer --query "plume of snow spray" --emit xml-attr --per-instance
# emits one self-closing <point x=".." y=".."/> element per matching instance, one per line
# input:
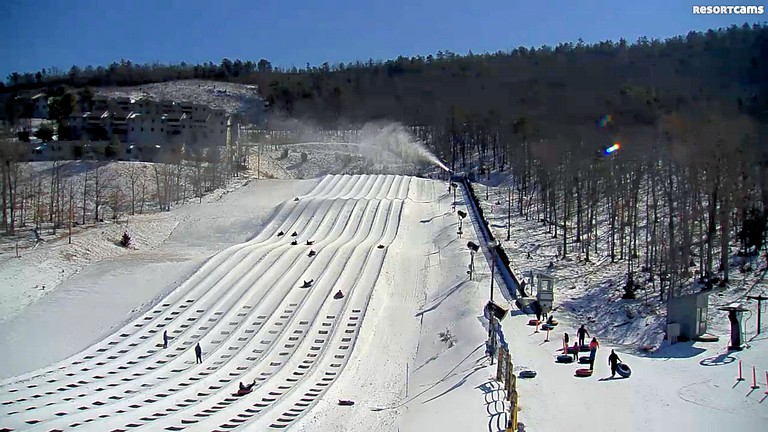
<point x="395" y="138"/>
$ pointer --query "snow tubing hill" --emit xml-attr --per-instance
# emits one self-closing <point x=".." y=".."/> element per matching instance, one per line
<point x="623" y="370"/>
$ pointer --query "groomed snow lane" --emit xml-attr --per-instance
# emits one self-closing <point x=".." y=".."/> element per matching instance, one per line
<point x="247" y="310"/>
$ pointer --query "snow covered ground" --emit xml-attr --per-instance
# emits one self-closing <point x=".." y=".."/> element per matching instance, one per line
<point x="405" y="342"/>
<point x="228" y="96"/>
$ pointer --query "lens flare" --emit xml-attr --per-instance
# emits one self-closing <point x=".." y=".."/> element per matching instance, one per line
<point x="612" y="148"/>
<point x="605" y="120"/>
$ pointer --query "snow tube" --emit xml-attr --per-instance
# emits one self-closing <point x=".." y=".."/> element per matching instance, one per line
<point x="533" y="322"/>
<point x="564" y="358"/>
<point x="584" y="372"/>
<point x="572" y="350"/>
<point x="623" y="370"/>
<point x="338" y="295"/>
<point x="584" y="359"/>
<point x="242" y="392"/>
<point x="527" y="374"/>
<point x="584" y="348"/>
<point x="553" y="322"/>
<point x="546" y="327"/>
<point x="346" y="402"/>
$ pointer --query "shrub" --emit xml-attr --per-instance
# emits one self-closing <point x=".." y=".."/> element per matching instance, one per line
<point x="126" y="240"/>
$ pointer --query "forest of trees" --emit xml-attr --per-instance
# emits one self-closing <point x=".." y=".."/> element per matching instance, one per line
<point x="689" y="112"/>
<point x="59" y="194"/>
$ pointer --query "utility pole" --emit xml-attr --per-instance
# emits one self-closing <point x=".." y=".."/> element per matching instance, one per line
<point x="71" y="197"/>
<point x="491" y="337"/>
<point x="509" y="209"/>
<point x="760" y="299"/>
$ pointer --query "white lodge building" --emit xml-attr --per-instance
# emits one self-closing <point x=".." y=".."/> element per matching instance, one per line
<point x="146" y="123"/>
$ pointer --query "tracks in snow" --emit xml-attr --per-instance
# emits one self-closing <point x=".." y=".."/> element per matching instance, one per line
<point x="246" y="309"/>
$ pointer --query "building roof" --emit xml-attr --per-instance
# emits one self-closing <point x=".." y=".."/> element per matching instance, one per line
<point x="121" y="114"/>
<point x="174" y="116"/>
<point x="96" y="115"/>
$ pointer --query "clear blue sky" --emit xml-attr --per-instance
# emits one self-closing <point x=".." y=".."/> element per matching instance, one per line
<point x="37" y="34"/>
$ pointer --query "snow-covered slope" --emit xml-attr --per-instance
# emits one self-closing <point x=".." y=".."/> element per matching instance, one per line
<point x="246" y="308"/>
<point x="228" y="96"/>
<point x="405" y="342"/>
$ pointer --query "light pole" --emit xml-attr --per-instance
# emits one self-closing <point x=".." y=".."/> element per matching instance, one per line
<point x="472" y="249"/>
<point x="492" y="246"/>
<point x="462" y="215"/>
<point x="454" y="186"/>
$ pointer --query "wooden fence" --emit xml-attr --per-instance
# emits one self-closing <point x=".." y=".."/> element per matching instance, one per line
<point x="505" y="374"/>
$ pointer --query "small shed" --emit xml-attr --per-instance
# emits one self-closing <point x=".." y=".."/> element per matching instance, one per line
<point x="688" y="314"/>
<point x="545" y="291"/>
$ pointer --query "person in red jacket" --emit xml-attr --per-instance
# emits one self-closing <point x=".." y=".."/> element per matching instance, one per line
<point x="593" y="346"/>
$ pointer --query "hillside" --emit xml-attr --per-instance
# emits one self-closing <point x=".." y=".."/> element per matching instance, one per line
<point x="232" y="97"/>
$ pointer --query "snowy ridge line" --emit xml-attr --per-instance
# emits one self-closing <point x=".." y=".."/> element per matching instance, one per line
<point x="298" y="345"/>
<point x="358" y="186"/>
<point x="139" y="409"/>
<point x="301" y="399"/>
<point x="174" y="355"/>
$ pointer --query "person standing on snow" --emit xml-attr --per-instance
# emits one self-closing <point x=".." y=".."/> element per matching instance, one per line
<point x="575" y="350"/>
<point x="593" y="346"/>
<point x="613" y="361"/>
<point x="565" y="343"/>
<point x="165" y="339"/>
<point x="198" y="354"/>
<point x="582" y="332"/>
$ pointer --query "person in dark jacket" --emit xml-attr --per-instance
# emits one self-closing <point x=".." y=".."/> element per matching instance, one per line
<point x="613" y="361"/>
<point x="165" y="339"/>
<point x="198" y="354"/>
<point x="582" y="332"/>
<point x="247" y="388"/>
<point x="575" y="350"/>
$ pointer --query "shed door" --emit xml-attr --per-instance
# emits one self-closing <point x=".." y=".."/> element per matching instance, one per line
<point x="702" y="321"/>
